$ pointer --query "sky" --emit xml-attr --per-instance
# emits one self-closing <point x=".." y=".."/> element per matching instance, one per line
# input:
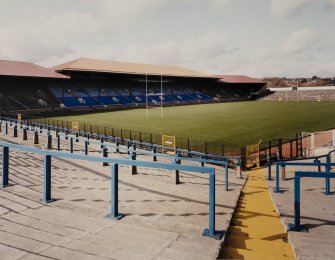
<point x="259" y="38"/>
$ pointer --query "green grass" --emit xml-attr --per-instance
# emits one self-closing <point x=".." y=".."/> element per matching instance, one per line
<point x="237" y="123"/>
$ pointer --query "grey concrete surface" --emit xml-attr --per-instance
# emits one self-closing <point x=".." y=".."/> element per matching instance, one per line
<point x="317" y="214"/>
<point x="163" y="220"/>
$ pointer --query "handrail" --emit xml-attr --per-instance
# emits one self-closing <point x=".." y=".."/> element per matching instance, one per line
<point x="210" y="231"/>
<point x="142" y="143"/>
<point x="290" y="160"/>
<point x="176" y="159"/>
<point x="133" y="152"/>
<point x="188" y="152"/>
<point x="317" y="162"/>
<point x="296" y="226"/>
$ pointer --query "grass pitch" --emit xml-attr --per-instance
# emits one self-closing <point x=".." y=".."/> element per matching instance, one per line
<point x="236" y="123"/>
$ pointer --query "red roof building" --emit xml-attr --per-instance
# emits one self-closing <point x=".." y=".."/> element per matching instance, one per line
<point x="26" y="69"/>
<point x="240" y="79"/>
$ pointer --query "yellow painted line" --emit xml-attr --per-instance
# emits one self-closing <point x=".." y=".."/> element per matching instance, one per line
<point x="256" y="231"/>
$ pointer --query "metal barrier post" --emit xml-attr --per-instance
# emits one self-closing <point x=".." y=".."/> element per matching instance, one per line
<point x="210" y="231"/>
<point x="154" y="157"/>
<point x="15" y="131"/>
<point x="202" y="163"/>
<point x="77" y="137"/>
<point x="36" y="137"/>
<point x="133" y="157"/>
<point x="296" y="226"/>
<point x="86" y="147"/>
<point x="239" y="170"/>
<point x="128" y="145"/>
<point x="117" y="150"/>
<point x="328" y="168"/>
<point x="5" y="166"/>
<point x="66" y="133"/>
<point x="102" y="142"/>
<point x="277" y="178"/>
<point x="316" y="161"/>
<point x="6" y="129"/>
<point x="25" y="136"/>
<point x="297" y="201"/>
<point x="283" y="173"/>
<point x="269" y="171"/>
<point x="114" y="214"/>
<point x="58" y="142"/>
<point x="175" y="177"/>
<point x="226" y="175"/>
<point x="104" y="154"/>
<point x="47" y="180"/>
<point x="49" y="144"/>
<point x="71" y="145"/>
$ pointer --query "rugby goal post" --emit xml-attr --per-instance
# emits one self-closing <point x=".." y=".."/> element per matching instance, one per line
<point x="318" y="143"/>
<point x="169" y="141"/>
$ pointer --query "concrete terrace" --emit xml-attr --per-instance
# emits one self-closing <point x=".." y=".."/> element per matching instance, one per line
<point x="317" y="213"/>
<point x="163" y="220"/>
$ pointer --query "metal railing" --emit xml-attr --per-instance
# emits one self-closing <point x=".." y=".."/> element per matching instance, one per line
<point x="131" y="150"/>
<point x="114" y="138"/>
<point x="317" y="163"/>
<point x="296" y="226"/>
<point x="114" y="213"/>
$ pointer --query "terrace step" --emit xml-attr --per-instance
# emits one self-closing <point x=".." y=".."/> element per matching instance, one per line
<point x="256" y="231"/>
<point x="239" y="253"/>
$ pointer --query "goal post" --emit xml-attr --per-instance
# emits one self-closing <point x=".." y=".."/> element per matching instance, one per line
<point x="169" y="141"/>
<point x="318" y="143"/>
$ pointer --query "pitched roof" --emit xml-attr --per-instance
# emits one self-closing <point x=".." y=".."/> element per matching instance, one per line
<point x="26" y="69"/>
<point x="240" y="79"/>
<point x="95" y="65"/>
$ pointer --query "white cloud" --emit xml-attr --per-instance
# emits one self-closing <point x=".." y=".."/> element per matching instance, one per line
<point x="203" y="52"/>
<point x="220" y="3"/>
<point x="203" y="35"/>
<point x="284" y="8"/>
<point x="330" y="4"/>
<point x="300" y="40"/>
<point x="45" y="38"/>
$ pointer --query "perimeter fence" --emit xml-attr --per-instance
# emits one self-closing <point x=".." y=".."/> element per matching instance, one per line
<point x="281" y="148"/>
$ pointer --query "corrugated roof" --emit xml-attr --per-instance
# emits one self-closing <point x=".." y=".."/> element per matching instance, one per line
<point x="26" y="69"/>
<point x="95" y="65"/>
<point x="239" y="79"/>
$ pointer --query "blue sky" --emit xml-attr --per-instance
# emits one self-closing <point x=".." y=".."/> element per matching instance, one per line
<point x="260" y="38"/>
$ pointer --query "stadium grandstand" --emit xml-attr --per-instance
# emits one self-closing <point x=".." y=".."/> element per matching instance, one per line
<point x="322" y="93"/>
<point x="91" y="83"/>
<point x="24" y="86"/>
<point x="243" y="87"/>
